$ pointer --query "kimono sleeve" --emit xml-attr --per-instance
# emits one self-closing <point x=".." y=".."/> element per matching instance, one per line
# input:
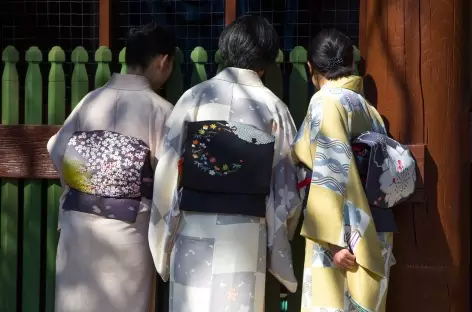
<point x="284" y="205"/>
<point x="165" y="204"/>
<point x="326" y="141"/>
<point x="57" y="144"/>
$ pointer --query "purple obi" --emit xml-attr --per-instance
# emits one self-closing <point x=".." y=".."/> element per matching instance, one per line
<point x="108" y="174"/>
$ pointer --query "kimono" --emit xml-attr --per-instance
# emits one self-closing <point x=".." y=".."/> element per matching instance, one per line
<point x="337" y="211"/>
<point x="105" y="154"/>
<point x="217" y="261"/>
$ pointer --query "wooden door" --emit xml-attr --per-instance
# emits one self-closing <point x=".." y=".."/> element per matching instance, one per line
<point x="416" y="67"/>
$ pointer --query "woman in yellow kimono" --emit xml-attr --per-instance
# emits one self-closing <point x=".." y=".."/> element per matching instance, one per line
<point x="347" y="259"/>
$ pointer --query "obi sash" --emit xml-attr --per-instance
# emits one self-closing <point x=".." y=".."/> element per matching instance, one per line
<point x="227" y="168"/>
<point x="108" y="174"/>
<point x="388" y="173"/>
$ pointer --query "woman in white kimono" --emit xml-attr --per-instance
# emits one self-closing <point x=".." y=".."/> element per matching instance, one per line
<point x="105" y="154"/>
<point x="235" y="196"/>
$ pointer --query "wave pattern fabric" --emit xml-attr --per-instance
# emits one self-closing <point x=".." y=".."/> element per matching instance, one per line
<point x="337" y="211"/>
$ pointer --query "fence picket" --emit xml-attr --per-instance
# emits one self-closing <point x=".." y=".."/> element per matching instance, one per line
<point x="103" y="58"/>
<point x="56" y="116"/>
<point x="199" y="58"/>
<point x="9" y="189"/>
<point x="298" y="90"/>
<point x="79" y="81"/>
<point x="273" y="78"/>
<point x="122" y="60"/>
<point x="32" y="190"/>
<point x="219" y="61"/>
<point x="357" y="59"/>
<point x="175" y="85"/>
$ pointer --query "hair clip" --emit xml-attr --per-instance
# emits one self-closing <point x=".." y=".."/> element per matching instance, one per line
<point x="337" y="61"/>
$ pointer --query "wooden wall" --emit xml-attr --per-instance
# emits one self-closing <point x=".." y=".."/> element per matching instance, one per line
<point x="417" y="69"/>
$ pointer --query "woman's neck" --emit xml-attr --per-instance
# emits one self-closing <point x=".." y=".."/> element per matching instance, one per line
<point x="319" y="81"/>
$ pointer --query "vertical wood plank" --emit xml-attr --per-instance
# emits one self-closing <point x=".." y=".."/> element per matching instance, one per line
<point x="103" y="58"/>
<point x="219" y="61"/>
<point x="56" y="116"/>
<point x="230" y="11"/>
<point x="32" y="191"/>
<point x="79" y="81"/>
<point x="175" y="84"/>
<point x="105" y="23"/>
<point x="9" y="189"/>
<point x="273" y="78"/>
<point x="199" y="58"/>
<point x="298" y="89"/>
<point x="122" y="60"/>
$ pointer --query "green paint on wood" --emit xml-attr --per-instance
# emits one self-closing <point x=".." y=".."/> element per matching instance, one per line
<point x="122" y="60"/>
<point x="199" y="58"/>
<point x="273" y="76"/>
<point x="32" y="191"/>
<point x="56" y="87"/>
<point x="56" y="116"/>
<point x="298" y="90"/>
<point x="103" y="59"/>
<point x="10" y="86"/>
<point x="79" y="81"/>
<point x="219" y="60"/>
<point x="357" y="59"/>
<point x="9" y="189"/>
<point x="175" y="85"/>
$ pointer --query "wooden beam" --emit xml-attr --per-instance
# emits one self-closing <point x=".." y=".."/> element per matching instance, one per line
<point x="230" y="11"/>
<point x="105" y="23"/>
<point x="24" y="153"/>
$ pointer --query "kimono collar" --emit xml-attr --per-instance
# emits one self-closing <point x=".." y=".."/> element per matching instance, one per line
<point x="128" y="82"/>
<point x="240" y="76"/>
<point x="353" y="83"/>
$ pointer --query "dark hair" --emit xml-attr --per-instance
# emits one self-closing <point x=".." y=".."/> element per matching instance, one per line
<point x="146" y="43"/>
<point x="250" y="42"/>
<point x="331" y="54"/>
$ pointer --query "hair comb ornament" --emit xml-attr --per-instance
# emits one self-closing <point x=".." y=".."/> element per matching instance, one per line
<point x="337" y="61"/>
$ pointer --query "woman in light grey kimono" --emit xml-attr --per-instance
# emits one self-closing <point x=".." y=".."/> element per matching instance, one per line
<point x="213" y="250"/>
<point x="105" y="154"/>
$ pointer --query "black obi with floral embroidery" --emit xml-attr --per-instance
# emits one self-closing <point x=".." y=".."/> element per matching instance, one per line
<point x="108" y="174"/>
<point x="227" y="168"/>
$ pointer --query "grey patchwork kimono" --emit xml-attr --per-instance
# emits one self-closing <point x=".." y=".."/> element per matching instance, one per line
<point x="216" y="261"/>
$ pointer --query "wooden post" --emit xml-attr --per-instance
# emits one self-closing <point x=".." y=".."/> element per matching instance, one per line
<point x="230" y="11"/>
<point x="418" y="66"/>
<point x="105" y="23"/>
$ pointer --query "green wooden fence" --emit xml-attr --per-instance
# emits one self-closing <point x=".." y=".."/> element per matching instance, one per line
<point x="29" y="208"/>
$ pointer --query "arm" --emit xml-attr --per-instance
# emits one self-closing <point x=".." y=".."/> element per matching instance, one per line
<point x="165" y="203"/>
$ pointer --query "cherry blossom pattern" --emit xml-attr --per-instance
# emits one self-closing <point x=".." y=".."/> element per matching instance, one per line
<point x="112" y="163"/>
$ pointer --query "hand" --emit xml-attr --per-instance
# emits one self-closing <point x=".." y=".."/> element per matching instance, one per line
<point x="342" y="258"/>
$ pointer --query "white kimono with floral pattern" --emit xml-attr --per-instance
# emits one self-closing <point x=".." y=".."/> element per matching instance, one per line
<point x="217" y="262"/>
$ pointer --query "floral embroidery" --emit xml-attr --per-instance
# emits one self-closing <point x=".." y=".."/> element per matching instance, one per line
<point x="105" y="163"/>
<point x="202" y="157"/>
<point x="232" y="294"/>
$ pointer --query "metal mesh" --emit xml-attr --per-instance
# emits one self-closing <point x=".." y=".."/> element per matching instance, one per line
<point x="48" y="23"/>
<point x="297" y="21"/>
<point x="196" y="23"/>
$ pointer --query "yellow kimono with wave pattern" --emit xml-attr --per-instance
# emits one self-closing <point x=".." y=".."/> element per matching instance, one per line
<point x="337" y="211"/>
